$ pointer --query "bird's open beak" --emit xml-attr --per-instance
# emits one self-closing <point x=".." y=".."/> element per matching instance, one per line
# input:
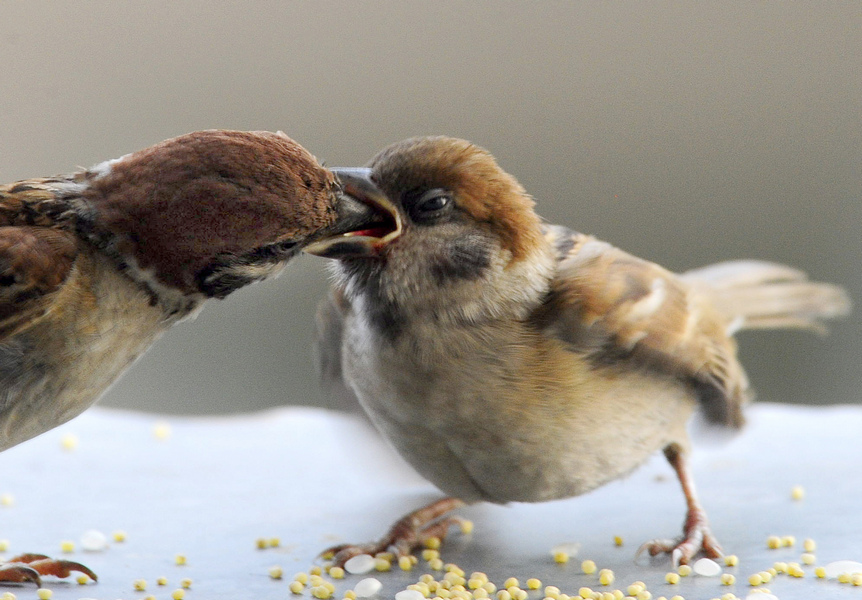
<point x="367" y="220"/>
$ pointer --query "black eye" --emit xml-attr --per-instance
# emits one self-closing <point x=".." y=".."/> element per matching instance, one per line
<point x="431" y="205"/>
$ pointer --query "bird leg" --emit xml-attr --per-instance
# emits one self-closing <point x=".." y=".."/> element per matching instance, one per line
<point x="29" y="567"/>
<point x="696" y="533"/>
<point x="408" y="532"/>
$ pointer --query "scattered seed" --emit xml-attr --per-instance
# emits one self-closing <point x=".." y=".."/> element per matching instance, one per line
<point x="809" y="545"/>
<point x="588" y="567"/>
<point x="404" y="563"/>
<point x="139" y="584"/>
<point x="296" y="587"/>
<point x="178" y="594"/>
<point x="180" y="559"/>
<point x="706" y="567"/>
<point x="367" y="587"/>
<point x="808" y="558"/>
<point x="466" y="527"/>
<point x="94" y="541"/>
<point x="359" y="564"/>
<point x="731" y="560"/>
<point x="672" y="578"/>
<point x="275" y="572"/>
<point x="162" y="581"/>
<point x="44" y="593"/>
<point x="336" y="573"/>
<point x="773" y="542"/>
<point x="755" y="579"/>
<point x="119" y="535"/>
<point x="161" y="431"/>
<point x="7" y="499"/>
<point x="69" y="442"/>
<point x="432" y="542"/>
<point x="788" y="540"/>
<point x="727" y="579"/>
<point x="797" y="492"/>
<point x="606" y="577"/>
<point x="533" y="584"/>
<point x="684" y="570"/>
<point x="618" y="540"/>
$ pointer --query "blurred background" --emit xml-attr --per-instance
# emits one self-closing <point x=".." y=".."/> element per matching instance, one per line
<point x="684" y="133"/>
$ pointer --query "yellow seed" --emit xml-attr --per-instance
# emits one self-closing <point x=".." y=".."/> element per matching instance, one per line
<point x="69" y="442"/>
<point x="644" y="595"/>
<point x="820" y="572"/>
<point x="561" y="557"/>
<point x="765" y="576"/>
<point x="180" y="559"/>
<point x="276" y="572"/>
<point x="301" y="577"/>
<point x="844" y="577"/>
<point x="606" y="577"/>
<point x="139" y="585"/>
<point x="672" y="578"/>
<point x="636" y="588"/>
<point x="186" y="583"/>
<point x="684" y="570"/>
<point x="82" y="579"/>
<point x="466" y="527"/>
<point x="809" y="545"/>
<point x="729" y="596"/>
<point x="432" y="542"/>
<point x="588" y="567"/>
<point x="677" y="597"/>
<point x="321" y="592"/>
<point x="274" y="542"/>
<point x="315" y="570"/>
<point x="161" y="431"/>
<point x="44" y="593"/>
<point x="610" y="596"/>
<point x="780" y="567"/>
<point x="260" y="543"/>
<point x="428" y="554"/>
<point x="336" y="573"/>
<point x="349" y="595"/>
<point x="67" y="546"/>
<point x="618" y="594"/>
<point x="119" y="535"/>
<point x="479" y="576"/>
<point x="517" y="594"/>
<point x="481" y="593"/>
<point x="798" y="492"/>
<point x="149" y="597"/>
<point x="856" y="579"/>
<point x="315" y="580"/>
<point x="178" y="594"/>
<point x="773" y="542"/>
<point x="731" y="560"/>
<point x="755" y="579"/>
<point x="381" y="564"/>
<point x="727" y="579"/>
<point x="585" y="593"/>
<point x="489" y="587"/>
<point x="511" y="582"/>
<point x="436" y="564"/>
<point x="162" y="581"/>
<point x="618" y="540"/>
<point x="808" y="558"/>
<point x="533" y="584"/>
<point x="7" y="499"/>
<point x="4" y="545"/>
<point x="453" y="568"/>
<point x="7" y="596"/>
<point x="296" y="587"/>
<point x="788" y="540"/>
<point x="504" y="595"/>
<point x="551" y="591"/>
<point x="404" y="563"/>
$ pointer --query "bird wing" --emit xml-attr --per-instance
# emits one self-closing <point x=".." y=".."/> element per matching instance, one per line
<point x="619" y="309"/>
<point x="35" y="259"/>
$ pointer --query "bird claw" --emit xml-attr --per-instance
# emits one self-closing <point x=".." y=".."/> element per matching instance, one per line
<point x="407" y="534"/>
<point x="697" y="538"/>
<point x="28" y="567"/>
<point x="17" y="572"/>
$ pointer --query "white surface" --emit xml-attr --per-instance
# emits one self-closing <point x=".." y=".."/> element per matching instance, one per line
<point x="314" y="478"/>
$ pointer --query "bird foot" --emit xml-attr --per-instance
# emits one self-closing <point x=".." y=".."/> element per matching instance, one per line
<point x="697" y="537"/>
<point x="407" y="534"/>
<point x="29" y="567"/>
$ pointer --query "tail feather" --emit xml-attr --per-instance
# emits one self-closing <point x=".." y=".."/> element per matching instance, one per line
<point x="763" y="295"/>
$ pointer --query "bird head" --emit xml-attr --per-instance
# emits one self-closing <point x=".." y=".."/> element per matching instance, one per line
<point x="452" y="223"/>
<point x="206" y="213"/>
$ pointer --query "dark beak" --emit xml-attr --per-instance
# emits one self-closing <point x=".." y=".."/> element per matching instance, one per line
<point x="366" y="221"/>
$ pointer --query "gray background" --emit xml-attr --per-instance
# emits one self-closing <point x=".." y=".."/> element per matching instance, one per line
<point x="685" y="133"/>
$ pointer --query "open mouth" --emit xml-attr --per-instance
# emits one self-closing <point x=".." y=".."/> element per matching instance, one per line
<point x="365" y="231"/>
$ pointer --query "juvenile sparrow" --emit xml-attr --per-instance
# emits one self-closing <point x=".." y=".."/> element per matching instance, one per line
<point x="473" y="333"/>
<point x="94" y="266"/>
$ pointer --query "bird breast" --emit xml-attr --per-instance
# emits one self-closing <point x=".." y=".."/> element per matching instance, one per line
<point x="501" y="413"/>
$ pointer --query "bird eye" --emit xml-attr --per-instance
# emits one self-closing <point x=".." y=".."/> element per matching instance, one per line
<point x="431" y="205"/>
